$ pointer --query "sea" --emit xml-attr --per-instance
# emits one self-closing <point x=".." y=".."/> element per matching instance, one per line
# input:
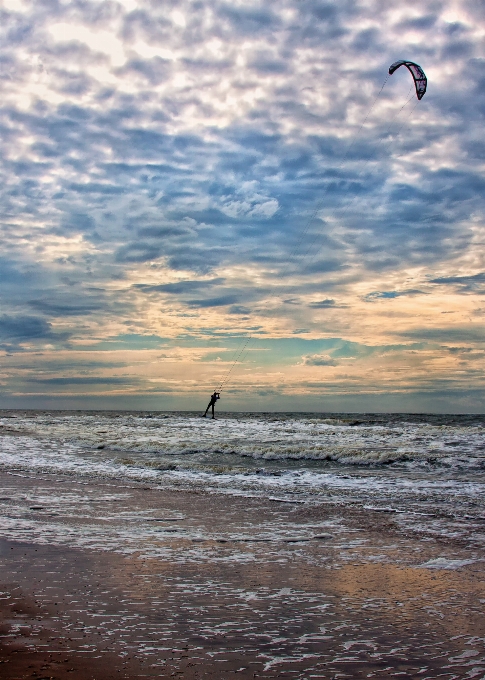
<point x="310" y="545"/>
<point x="428" y="470"/>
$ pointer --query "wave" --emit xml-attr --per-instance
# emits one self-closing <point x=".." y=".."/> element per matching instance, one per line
<point x="170" y="441"/>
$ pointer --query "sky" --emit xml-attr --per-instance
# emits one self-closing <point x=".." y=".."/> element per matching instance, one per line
<point x="183" y="183"/>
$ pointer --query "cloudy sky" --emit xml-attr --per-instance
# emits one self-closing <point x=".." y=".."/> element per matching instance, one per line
<point x="180" y="177"/>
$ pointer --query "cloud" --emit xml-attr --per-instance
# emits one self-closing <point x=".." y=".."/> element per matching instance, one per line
<point x="319" y="360"/>
<point x="328" y="303"/>
<point x="467" y="333"/>
<point x="239" y="309"/>
<point x="18" y="330"/>
<point x="84" y="380"/>
<point x="180" y="287"/>
<point x="214" y="302"/>
<point x="76" y="222"/>
<point x="58" y="309"/>
<point x="248" y="21"/>
<point x="138" y="252"/>
<point x="155" y="71"/>
<point x="169" y="171"/>
<point x="463" y="284"/>
<point x="391" y="294"/>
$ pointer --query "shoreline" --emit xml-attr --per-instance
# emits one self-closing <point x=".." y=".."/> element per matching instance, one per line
<point x="216" y="594"/>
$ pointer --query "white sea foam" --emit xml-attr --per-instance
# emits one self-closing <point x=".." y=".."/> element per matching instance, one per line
<point x="444" y="563"/>
<point x="390" y="463"/>
<point x="265" y="438"/>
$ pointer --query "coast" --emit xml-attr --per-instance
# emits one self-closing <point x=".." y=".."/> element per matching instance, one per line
<point x="227" y="586"/>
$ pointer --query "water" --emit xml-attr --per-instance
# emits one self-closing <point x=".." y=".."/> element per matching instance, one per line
<point x="427" y="469"/>
<point x="310" y="545"/>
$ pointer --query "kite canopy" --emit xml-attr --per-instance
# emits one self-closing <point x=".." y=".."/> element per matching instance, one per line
<point x="420" y="80"/>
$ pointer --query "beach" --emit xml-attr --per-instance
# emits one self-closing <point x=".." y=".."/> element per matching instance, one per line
<point x="184" y="573"/>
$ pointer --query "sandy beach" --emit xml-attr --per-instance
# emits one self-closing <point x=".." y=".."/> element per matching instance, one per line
<point x="242" y="339"/>
<point x="363" y="597"/>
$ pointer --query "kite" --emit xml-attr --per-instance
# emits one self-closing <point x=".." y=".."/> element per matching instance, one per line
<point x="420" y="80"/>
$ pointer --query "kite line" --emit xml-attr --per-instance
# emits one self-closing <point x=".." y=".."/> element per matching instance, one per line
<point x="420" y="85"/>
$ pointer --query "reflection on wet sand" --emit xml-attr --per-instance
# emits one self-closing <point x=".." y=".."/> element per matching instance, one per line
<point x="143" y="582"/>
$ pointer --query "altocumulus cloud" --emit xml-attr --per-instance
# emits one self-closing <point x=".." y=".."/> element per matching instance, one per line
<point x="180" y="170"/>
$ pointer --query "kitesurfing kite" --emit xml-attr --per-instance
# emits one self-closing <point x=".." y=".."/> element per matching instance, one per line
<point x="420" y="80"/>
<point x="420" y="83"/>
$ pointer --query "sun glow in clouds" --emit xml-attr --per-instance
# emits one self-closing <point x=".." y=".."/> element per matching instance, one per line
<point x="177" y="179"/>
<point x="97" y="41"/>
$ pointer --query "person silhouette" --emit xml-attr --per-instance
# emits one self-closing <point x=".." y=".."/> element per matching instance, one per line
<point x="214" y="398"/>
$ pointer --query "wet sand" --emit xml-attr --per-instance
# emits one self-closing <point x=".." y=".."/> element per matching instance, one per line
<point x="233" y="587"/>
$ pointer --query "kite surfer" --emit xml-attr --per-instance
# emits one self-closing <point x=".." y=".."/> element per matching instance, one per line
<point x="214" y="398"/>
